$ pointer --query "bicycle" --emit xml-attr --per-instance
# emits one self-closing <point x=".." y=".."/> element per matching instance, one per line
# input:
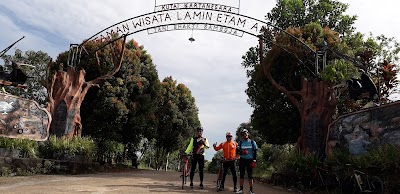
<point x="324" y="179"/>
<point x="185" y="168"/>
<point x="360" y="182"/>
<point x="220" y="174"/>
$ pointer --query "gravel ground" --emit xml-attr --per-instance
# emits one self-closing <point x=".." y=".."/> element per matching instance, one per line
<point x="134" y="181"/>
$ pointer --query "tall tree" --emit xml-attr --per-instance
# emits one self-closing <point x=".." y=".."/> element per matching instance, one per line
<point x="124" y="108"/>
<point x="276" y="120"/>
<point x="177" y="117"/>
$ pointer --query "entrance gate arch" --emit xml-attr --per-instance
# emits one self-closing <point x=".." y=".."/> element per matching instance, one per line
<point x="204" y="16"/>
<point x="184" y="16"/>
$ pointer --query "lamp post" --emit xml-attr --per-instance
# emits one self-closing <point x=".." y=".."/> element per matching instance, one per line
<point x="191" y="39"/>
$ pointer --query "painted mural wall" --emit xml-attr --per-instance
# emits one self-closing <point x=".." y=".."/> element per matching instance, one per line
<point x="23" y="118"/>
<point x="364" y="129"/>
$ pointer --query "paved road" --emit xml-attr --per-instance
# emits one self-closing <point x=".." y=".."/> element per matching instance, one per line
<point x="135" y="181"/>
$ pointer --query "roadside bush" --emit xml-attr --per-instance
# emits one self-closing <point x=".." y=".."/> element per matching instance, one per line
<point x="4" y="171"/>
<point x="56" y="148"/>
<point x="214" y="164"/>
<point x="29" y="148"/>
<point x="271" y="158"/>
<point x="7" y="143"/>
<point x="108" y="150"/>
<point x="383" y="162"/>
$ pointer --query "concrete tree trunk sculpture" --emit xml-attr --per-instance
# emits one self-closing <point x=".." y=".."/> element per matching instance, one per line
<point x="66" y="92"/>
<point x="316" y="104"/>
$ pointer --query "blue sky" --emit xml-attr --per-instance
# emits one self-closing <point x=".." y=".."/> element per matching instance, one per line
<point x="210" y="66"/>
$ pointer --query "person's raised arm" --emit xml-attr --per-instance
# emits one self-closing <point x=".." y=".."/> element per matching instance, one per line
<point x="190" y="147"/>
<point x="216" y="148"/>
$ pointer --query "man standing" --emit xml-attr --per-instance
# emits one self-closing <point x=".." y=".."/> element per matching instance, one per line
<point x="229" y="148"/>
<point x="196" y="146"/>
<point x="247" y="150"/>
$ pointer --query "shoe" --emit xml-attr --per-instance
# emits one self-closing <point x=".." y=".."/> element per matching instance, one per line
<point x="240" y="192"/>
<point x="221" y="188"/>
<point x="191" y="185"/>
<point x="251" y="192"/>
<point x="201" y="186"/>
<point x="235" y="189"/>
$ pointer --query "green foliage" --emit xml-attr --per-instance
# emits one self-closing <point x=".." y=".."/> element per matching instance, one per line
<point x="215" y="163"/>
<point x="75" y="146"/>
<point x="112" y="147"/>
<point x="338" y="71"/>
<point x="4" y="171"/>
<point x="382" y="162"/>
<point x="177" y="117"/>
<point x="36" y="91"/>
<point x="124" y="107"/>
<point x="148" y="155"/>
<point x="272" y="158"/>
<point x="8" y="143"/>
<point x="298" y="13"/>
<point x="28" y="147"/>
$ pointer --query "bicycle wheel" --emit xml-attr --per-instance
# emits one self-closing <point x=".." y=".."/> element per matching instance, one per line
<point x="349" y="185"/>
<point x="219" y="179"/>
<point x="375" y="185"/>
<point x="332" y="182"/>
<point x="187" y="173"/>
<point x="183" y="176"/>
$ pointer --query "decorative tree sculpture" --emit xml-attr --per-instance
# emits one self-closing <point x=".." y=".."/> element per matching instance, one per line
<point x="67" y="90"/>
<point x="315" y="100"/>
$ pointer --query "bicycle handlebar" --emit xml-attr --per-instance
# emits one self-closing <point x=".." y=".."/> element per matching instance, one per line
<point x="225" y="160"/>
<point x="184" y="154"/>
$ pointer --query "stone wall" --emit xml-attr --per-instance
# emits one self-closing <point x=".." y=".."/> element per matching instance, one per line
<point x="44" y="166"/>
<point x="359" y="131"/>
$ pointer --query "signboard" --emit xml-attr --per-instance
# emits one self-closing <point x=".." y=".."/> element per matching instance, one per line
<point x="197" y="5"/>
<point x="23" y="118"/>
<point x="186" y="16"/>
<point x="365" y="129"/>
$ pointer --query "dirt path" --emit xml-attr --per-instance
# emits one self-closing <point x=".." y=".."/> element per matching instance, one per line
<point x="136" y="181"/>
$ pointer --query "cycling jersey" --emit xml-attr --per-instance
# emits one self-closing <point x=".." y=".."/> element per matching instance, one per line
<point x="197" y="145"/>
<point x="247" y="149"/>
<point x="229" y="149"/>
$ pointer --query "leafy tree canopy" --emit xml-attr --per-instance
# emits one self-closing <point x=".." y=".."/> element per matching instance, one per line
<point x="39" y="59"/>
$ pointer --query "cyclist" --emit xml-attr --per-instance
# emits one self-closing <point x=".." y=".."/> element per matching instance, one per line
<point x="229" y="148"/>
<point x="247" y="149"/>
<point x="196" y="146"/>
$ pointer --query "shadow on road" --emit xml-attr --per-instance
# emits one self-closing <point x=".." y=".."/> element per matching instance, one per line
<point x="167" y="188"/>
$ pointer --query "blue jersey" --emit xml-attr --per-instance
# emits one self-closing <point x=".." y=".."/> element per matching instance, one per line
<point x="246" y="149"/>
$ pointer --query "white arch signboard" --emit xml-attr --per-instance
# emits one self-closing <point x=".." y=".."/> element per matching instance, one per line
<point x="186" y="16"/>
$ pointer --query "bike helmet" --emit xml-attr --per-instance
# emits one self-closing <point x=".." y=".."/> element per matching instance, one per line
<point x="199" y="128"/>
<point x="245" y="131"/>
<point x="229" y="134"/>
